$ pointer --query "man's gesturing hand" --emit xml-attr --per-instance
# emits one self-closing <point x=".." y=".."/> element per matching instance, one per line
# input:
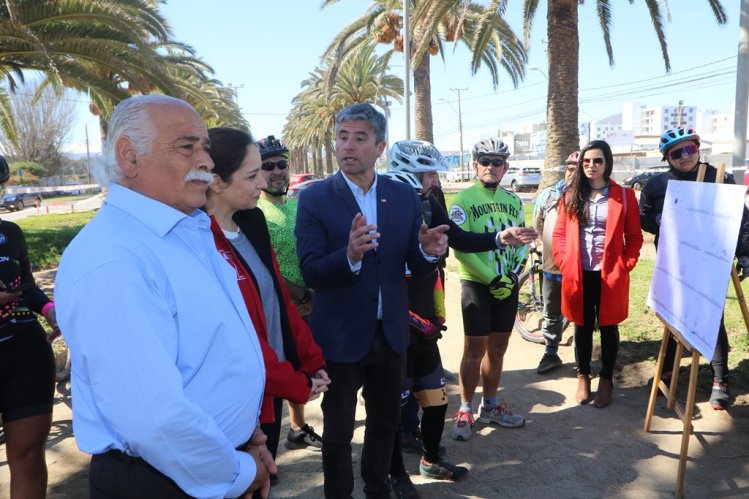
<point x="360" y="239"/>
<point x="433" y="241"/>
<point x="515" y="236"/>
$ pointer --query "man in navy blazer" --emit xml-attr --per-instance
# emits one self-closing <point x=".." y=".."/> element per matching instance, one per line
<point x="356" y="233"/>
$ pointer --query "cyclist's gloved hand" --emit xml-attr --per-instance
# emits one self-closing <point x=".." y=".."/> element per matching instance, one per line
<point x="501" y="286"/>
<point x="428" y="329"/>
<point x="742" y="267"/>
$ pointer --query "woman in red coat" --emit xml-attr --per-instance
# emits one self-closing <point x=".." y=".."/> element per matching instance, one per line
<point x="596" y="246"/>
<point x="295" y="368"/>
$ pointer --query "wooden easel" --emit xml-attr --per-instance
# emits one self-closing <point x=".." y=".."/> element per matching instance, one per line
<point x="685" y="413"/>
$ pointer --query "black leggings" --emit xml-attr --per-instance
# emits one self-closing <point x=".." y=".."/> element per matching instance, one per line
<point x="584" y="333"/>
<point x="432" y="424"/>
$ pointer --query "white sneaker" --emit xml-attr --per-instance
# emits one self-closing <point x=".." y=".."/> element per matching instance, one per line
<point x="500" y="415"/>
<point x="462" y="426"/>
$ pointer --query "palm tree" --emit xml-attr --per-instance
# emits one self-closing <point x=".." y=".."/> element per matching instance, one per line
<point x="80" y="44"/>
<point x="482" y="29"/>
<point x="563" y="57"/>
<point x="362" y="77"/>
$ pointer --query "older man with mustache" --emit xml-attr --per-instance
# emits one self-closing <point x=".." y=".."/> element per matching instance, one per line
<point x="167" y="374"/>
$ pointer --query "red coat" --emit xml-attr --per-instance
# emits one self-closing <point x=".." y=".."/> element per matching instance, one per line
<point x="289" y="379"/>
<point x="620" y="252"/>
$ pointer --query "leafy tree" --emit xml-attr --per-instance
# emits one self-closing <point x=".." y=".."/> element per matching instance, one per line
<point x="44" y="122"/>
<point x="482" y="29"/>
<point x="563" y="56"/>
<point x="362" y="77"/>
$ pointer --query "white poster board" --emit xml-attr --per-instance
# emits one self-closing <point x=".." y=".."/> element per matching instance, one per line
<point x="696" y="246"/>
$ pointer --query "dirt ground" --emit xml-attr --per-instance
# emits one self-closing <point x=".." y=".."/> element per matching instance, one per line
<point x="565" y="450"/>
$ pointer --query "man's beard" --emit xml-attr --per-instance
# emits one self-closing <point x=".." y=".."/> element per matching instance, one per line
<point x="275" y="192"/>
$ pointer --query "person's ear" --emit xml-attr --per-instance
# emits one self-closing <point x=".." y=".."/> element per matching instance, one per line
<point x="217" y="185"/>
<point x="126" y="157"/>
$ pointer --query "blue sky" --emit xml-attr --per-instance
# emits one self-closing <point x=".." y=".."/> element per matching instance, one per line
<point x="266" y="49"/>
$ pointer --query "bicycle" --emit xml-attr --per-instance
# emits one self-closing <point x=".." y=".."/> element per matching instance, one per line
<point x="530" y="316"/>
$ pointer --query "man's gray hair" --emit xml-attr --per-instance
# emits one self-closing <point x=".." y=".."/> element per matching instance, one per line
<point x="364" y="111"/>
<point x="131" y="118"/>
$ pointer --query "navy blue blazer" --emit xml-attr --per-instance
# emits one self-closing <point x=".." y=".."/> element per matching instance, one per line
<point x="344" y="317"/>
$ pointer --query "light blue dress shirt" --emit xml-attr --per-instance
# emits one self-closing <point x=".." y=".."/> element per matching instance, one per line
<point x="166" y="361"/>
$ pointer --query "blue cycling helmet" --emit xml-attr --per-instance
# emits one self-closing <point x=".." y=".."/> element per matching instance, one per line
<point x="673" y="137"/>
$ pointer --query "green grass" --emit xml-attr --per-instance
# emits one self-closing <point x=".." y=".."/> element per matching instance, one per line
<point x="48" y="235"/>
<point x="642" y="332"/>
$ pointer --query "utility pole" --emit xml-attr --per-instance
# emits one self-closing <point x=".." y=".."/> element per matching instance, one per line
<point x="678" y="114"/>
<point x="235" y="91"/>
<point x="460" y="125"/>
<point x="88" y="156"/>
<point x="407" y="67"/>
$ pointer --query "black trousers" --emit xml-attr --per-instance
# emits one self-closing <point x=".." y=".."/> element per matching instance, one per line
<point x="584" y="334"/>
<point x="114" y="475"/>
<point x="380" y="372"/>
<point x="273" y="430"/>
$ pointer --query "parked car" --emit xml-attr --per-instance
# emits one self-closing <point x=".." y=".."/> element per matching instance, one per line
<point x="298" y="178"/>
<point x="295" y="189"/>
<point x="459" y="176"/>
<point x="520" y="178"/>
<point x="639" y="179"/>
<point x="19" y="201"/>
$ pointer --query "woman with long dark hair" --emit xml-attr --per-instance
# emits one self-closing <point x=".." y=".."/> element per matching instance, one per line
<point x="295" y="369"/>
<point x="596" y="244"/>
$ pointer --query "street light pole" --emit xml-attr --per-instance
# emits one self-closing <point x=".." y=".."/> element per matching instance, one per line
<point x="407" y="67"/>
<point x="460" y="126"/>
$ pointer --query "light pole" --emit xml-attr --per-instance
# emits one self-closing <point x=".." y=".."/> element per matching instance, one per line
<point x="459" y="112"/>
<point x="235" y="91"/>
<point x="407" y="67"/>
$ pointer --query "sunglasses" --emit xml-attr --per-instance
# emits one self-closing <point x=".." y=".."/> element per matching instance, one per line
<point x="269" y="166"/>
<point x="494" y="162"/>
<point x="596" y="161"/>
<point x="688" y="150"/>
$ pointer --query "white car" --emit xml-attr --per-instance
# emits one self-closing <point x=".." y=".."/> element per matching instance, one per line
<point x="459" y="176"/>
<point x="520" y="178"/>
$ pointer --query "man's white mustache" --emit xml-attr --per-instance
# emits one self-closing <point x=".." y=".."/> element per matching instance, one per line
<point x="199" y="175"/>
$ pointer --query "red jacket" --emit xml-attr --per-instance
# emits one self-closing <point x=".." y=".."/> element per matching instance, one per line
<point x="290" y="379"/>
<point x="620" y="252"/>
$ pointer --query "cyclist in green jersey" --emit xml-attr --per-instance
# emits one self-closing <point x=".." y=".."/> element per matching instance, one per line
<point x="488" y="280"/>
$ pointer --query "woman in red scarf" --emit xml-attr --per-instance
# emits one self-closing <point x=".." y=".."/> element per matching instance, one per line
<point x="295" y="369"/>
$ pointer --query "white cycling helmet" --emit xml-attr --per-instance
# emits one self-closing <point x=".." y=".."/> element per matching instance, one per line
<point x="405" y="177"/>
<point x="491" y="146"/>
<point x="416" y="156"/>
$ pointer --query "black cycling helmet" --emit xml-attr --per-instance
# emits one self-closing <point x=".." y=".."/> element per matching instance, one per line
<point x="271" y="146"/>
<point x="4" y="170"/>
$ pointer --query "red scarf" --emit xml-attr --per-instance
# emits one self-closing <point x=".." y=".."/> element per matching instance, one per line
<point x="246" y="284"/>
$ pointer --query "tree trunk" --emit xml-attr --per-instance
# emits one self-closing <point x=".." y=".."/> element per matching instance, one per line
<point x="328" y="143"/>
<point x="423" y="101"/>
<point x="563" y="52"/>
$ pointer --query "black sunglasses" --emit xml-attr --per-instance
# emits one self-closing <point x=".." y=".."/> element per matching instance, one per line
<point x="493" y="162"/>
<point x="271" y="165"/>
<point x="688" y="150"/>
<point x="596" y="161"/>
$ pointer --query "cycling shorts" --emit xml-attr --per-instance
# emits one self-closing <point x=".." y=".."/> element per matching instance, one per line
<point x="27" y="373"/>
<point x="424" y="374"/>
<point x="484" y="314"/>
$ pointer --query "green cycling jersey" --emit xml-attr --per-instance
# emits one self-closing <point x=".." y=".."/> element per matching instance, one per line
<point x="479" y="209"/>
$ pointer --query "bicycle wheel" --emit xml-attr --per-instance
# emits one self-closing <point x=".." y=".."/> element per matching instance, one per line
<point x="529" y="319"/>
